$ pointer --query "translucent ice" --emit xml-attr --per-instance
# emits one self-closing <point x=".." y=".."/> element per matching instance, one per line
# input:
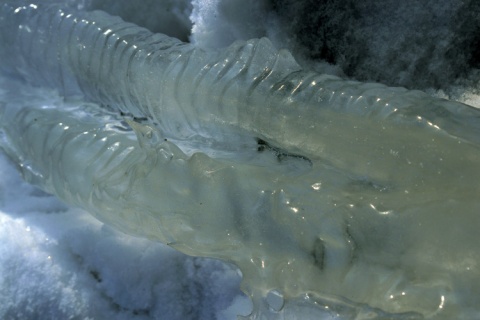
<point x="332" y="196"/>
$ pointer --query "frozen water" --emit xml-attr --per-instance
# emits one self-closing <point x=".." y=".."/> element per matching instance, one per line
<point x="60" y="263"/>
<point x="430" y="194"/>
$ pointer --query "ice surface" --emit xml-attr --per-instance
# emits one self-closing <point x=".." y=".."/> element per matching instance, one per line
<point x="60" y="263"/>
<point x="170" y="17"/>
<point x="331" y="185"/>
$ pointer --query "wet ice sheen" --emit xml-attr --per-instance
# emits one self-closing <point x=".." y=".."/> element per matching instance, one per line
<point x="333" y="197"/>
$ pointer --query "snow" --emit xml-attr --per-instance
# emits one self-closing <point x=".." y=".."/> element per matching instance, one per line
<point x="415" y="44"/>
<point x="58" y="262"/>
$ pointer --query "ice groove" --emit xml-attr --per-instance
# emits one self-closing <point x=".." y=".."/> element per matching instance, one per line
<point x="122" y="94"/>
<point x="212" y="161"/>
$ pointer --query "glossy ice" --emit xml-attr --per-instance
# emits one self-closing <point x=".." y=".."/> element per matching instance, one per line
<point x="328" y="194"/>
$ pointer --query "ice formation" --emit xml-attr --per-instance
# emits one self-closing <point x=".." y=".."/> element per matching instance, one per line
<point x="328" y="194"/>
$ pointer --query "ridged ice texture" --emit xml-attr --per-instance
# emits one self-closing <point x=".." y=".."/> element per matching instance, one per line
<point x="325" y="192"/>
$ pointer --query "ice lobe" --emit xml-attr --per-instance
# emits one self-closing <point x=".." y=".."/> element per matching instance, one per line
<point x="333" y="195"/>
